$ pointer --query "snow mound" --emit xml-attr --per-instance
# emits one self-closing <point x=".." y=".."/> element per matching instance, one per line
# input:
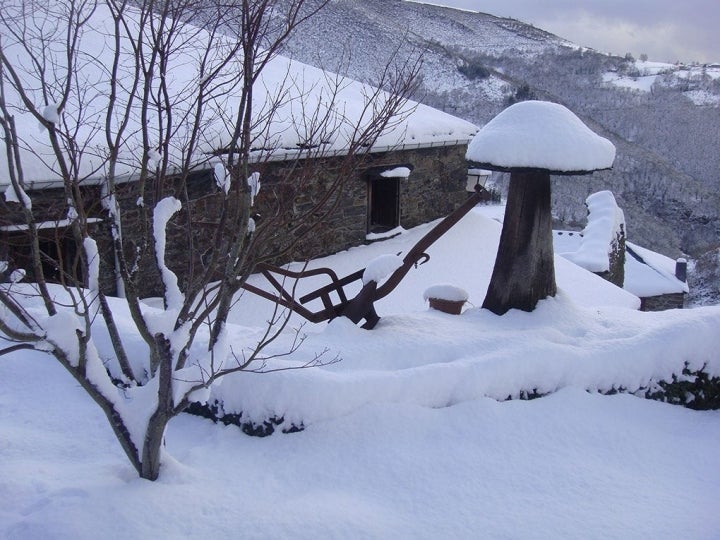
<point x="397" y="172"/>
<point x="429" y="360"/>
<point x="380" y="268"/>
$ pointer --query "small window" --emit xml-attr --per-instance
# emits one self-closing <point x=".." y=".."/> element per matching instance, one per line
<point x="477" y="178"/>
<point x="60" y="259"/>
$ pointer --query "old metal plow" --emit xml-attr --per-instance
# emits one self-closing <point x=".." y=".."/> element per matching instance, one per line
<point x="333" y="296"/>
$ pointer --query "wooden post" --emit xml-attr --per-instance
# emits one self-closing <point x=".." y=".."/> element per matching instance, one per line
<point x="524" y="271"/>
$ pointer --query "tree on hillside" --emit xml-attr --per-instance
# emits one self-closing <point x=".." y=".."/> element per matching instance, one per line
<point x="129" y="91"/>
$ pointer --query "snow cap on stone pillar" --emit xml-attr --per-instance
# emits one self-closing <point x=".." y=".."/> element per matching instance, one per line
<point x="539" y="135"/>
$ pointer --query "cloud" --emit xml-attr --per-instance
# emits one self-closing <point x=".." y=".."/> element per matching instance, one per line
<point x="666" y="30"/>
<point x="661" y="38"/>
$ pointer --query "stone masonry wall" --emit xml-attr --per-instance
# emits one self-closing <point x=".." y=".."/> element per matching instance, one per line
<point x="435" y="188"/>
<point x="616" y="259"/>
<point x="663" y="302"/>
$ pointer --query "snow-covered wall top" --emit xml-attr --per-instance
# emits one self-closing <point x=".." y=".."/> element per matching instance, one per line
<point x="605" y="222"/>
<point x="541" y="135"/>
<point x="289" y="99"/>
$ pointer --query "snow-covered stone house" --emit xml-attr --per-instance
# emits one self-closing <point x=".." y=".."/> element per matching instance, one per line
<point x="416" y="177"/>
<point x="415" y="172"/>
<point x="602" y="248"/>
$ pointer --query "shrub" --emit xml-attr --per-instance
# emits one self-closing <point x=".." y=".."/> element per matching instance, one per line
<point x="474" y="70"/>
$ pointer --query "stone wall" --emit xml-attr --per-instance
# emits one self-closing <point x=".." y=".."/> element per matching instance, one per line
<point x="663" y="302"/>
<point x="616" y="258"/>
<point x="435" y="188"/>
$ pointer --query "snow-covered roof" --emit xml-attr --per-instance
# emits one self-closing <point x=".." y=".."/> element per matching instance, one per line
<point x="54" y="224"/>
<point x="653" y="276"/>
<point x="307" y="94"/>
<point x="540" y="135"/>
<point x="646" y="273"/>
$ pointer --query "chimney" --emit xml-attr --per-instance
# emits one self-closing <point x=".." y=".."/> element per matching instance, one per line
<point x="681" y="269"/>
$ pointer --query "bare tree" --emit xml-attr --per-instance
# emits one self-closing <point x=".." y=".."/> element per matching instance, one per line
<point x="131" y="96"/>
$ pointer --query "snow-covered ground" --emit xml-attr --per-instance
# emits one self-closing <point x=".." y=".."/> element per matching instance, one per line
<point x="405" y="437"/>
<point x="643" y="83"/>
<point x="649" y="73"/>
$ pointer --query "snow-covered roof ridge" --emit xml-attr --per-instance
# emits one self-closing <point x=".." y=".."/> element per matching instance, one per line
<point x="605" y="221"/>
<point x="540" y="135"/>
<point x="305" y="91"/>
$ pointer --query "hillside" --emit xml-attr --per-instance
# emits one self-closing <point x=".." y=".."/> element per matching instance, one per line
<point x="664" y="119"/>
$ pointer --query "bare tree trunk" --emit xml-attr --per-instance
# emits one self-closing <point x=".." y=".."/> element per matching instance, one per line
<point x="524" y="271"/>
<point x="155" y="432"/>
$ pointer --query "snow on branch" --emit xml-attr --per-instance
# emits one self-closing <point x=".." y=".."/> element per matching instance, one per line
<point x="50" y="114"/>
<point x="222" y="178"/>
<point x="16" y="194"/>
<point x="93" y="258"/>
<point x="164" y="211"/>
<point x="254" y="182"/>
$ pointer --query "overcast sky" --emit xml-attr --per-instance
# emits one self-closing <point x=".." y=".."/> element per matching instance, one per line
<point x="666" y="30"/>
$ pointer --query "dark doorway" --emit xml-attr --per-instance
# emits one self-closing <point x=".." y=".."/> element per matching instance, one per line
<point x="384" y="199"/>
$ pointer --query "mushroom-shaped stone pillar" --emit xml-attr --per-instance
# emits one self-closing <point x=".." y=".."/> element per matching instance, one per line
<point x="532" y="140"/>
